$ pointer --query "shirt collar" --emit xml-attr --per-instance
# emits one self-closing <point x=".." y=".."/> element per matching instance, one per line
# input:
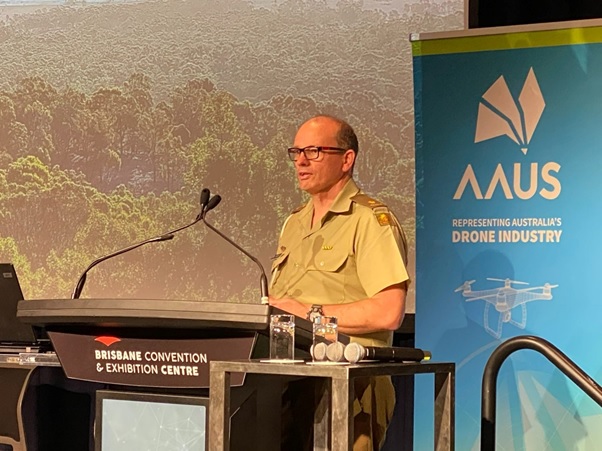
<point x="341" y="203"/>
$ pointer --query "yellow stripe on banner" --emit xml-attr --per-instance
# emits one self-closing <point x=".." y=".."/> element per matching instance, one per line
<point x="506" y="41"/>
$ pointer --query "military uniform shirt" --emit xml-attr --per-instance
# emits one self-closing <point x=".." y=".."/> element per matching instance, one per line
<point x="354" y="252"/>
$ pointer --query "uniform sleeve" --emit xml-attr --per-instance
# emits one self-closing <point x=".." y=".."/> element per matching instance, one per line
<point x="380" y="253"/>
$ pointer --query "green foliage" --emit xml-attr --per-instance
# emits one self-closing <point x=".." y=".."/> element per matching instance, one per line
<point x="113" y="118"/>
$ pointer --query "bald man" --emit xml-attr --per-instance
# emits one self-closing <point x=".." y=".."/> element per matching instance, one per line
<point x="343" y="254"/>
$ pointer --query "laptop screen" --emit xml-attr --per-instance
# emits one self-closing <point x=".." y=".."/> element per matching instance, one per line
<point x="12" y="330"/>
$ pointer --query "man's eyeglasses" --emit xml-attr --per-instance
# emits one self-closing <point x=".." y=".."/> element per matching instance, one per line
<point x="312" y="152"/>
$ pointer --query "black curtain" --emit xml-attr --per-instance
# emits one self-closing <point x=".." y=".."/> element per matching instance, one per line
<point x="494" y="13"/>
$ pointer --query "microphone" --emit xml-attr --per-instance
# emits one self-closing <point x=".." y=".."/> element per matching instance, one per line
<point x="205" y="193"/>
<point x="354" y="352"/>
<point x="335" y="351"/>
<point x="318" y="351"/>
<point x="77" y="291"/>
<point x="213" y="202"/>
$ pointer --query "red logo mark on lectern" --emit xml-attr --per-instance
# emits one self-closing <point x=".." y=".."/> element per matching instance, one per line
<point x="107" y="341"/>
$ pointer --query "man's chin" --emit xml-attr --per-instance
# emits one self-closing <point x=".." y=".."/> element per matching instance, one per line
<point x="305" y="185"/>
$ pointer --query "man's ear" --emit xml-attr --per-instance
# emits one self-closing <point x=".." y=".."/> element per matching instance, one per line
<point x="348" y="160"/>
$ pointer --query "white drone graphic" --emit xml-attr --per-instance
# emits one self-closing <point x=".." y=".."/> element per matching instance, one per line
<point x="504" y="299"/>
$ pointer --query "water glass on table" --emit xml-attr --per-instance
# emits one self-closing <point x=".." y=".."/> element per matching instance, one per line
<point x="325" y="332"/>
<point x="282" y="337"/>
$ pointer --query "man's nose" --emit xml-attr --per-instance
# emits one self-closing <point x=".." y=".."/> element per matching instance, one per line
<point x="302" y="159"/>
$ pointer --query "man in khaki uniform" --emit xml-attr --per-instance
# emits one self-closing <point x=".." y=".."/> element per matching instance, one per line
<point x="343" y="254"/>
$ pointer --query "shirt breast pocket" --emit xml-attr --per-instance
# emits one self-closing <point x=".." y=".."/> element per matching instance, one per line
<point x="330" y="260"/>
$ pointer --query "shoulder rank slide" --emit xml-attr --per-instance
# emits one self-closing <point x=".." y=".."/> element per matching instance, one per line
<point x="381" y="211"/>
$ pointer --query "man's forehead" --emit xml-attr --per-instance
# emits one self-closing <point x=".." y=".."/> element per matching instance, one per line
<point x="320" y="122"/>
<point x="317" y="129"/>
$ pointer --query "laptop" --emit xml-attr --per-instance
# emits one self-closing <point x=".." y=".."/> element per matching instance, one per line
<point x="15" y="336"/>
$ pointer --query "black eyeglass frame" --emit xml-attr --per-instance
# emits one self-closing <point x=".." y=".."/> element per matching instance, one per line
<point x="294" y="152"/>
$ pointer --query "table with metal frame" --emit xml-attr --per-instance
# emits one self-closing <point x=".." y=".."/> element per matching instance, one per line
<point x="333" y="411"/>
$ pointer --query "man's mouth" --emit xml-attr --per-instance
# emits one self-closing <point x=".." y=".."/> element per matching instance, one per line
<point x="303" y="175"/>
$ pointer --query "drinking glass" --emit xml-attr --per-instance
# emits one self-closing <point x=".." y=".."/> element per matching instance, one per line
<point x="325" y="331"/>
<point x="282" y="337"/>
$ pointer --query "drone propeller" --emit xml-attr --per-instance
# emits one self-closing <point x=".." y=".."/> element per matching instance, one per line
<point x="508" y="281"/>
<point x="465" y="286"/>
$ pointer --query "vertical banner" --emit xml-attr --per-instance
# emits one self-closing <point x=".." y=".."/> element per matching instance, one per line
<point x="508" y="164"/>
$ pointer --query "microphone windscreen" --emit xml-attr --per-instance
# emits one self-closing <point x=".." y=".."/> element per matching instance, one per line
<point x="318" y="352"/>
<point x="335" y="351"/>
<point x="354" y="352"/>
<point x="213" y="202"/>
<point x="205" y="193"/>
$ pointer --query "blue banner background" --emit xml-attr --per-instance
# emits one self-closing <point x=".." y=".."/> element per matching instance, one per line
<point x="538" y="408"/>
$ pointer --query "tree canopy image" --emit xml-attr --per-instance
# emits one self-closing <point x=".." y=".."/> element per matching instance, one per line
<point x="113" y="118"/>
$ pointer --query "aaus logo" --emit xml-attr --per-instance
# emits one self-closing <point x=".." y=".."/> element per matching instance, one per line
<point x="500" y="115"/>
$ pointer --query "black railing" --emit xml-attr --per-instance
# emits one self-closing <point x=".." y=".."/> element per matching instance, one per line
<point x="492" y="368"/>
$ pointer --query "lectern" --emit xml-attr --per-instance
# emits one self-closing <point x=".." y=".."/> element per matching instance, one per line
<point x="164" y="347"/>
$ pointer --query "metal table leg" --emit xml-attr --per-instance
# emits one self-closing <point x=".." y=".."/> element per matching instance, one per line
<point x="342" y="414"/>
<point x="444" y="412"/>
<point x="219" y="410"/>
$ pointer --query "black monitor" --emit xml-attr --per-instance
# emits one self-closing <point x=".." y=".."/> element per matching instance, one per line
<point x="127" y="421"/>
<point x="497" y="13"/>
